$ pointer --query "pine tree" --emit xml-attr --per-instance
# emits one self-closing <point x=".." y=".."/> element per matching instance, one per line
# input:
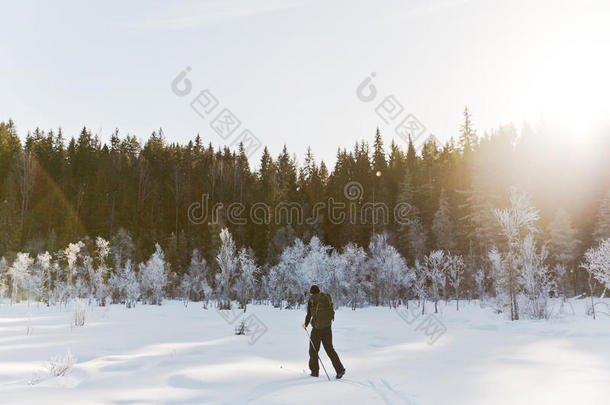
<point x="602" y="224"/>
<point x="443" y="226"/>
<point x="563" y="246"/>
<point x="468" y="137"/>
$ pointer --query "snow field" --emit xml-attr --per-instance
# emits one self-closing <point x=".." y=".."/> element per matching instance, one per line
<point x="173" y="354"/>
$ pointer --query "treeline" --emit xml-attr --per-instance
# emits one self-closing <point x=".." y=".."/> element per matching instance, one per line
<point x="55" y="191"/>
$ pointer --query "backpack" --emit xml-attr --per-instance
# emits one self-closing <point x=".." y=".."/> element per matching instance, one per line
<point x="323" y="312"/>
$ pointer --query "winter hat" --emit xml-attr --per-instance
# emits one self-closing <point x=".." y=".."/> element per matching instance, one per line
<point x="314" y="289"/>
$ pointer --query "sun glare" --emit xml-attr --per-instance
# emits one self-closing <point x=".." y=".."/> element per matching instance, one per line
<point x="567" y="84"/>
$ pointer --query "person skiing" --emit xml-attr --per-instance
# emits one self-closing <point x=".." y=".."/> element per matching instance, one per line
<point x="321" y="313"/>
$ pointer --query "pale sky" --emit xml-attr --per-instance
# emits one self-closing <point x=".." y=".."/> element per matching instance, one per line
<point x="289" y="69"/>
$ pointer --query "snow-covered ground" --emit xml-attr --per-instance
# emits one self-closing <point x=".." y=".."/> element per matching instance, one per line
<point x="177" y="355"/>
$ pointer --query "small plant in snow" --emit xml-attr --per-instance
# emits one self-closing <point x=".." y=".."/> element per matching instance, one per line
<point x="242" y="328"/>
<point x="28" y="326"/>
<point x="35" y="379"/>
<point x="80" y="312"/>
<point x="60" y="366"/>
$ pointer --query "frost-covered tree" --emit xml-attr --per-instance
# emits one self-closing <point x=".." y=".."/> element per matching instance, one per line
<point x="43" y="262"/>
<point x="245" y="283"/>
<point x="124" y="286"/>
<point x="455" y="276"/>
<point x="420" y="284"/>
<point x="194" y="283"/>
<point x="597" y="262"/>
<point x="227" y="262"/>
<point x="19" y="272"/>
<point x="99" y="274"/>
<point x="602" y="223"/>
<point x="316" y="266"/>
<point x="286" y="280"/>
<point x="3" y="276"/>
<point x="534" y="278"/>
<point x="387" y="271"/>
<point x="153" y="277"/>
<point x="71" y="254"/>
<point x="350" y="266"/>
<point x="597" y="265"/>
<point x="443" y="226"/>
<point x="436" y="265"/>
<point x="499" y="275"/>
<point x="479" y="280"/>
<point x="515" y="223"/>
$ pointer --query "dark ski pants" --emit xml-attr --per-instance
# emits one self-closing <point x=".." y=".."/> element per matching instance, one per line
<point x="325" y="336"/>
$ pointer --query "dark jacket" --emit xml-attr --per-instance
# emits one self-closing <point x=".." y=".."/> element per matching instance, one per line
<point x="320" y="311"/>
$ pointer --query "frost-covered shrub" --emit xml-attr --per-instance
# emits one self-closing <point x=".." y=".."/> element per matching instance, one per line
<point x="60" y="366"/>
<point x="124" y="286"/>
<point x="597" y="265"/>
<point x="535" y="279"/>
<point x="194" y="284"/>
<point x="597" y="262"/>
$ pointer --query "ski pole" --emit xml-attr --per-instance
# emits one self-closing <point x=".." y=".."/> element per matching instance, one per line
<point x="314" y="348"/>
